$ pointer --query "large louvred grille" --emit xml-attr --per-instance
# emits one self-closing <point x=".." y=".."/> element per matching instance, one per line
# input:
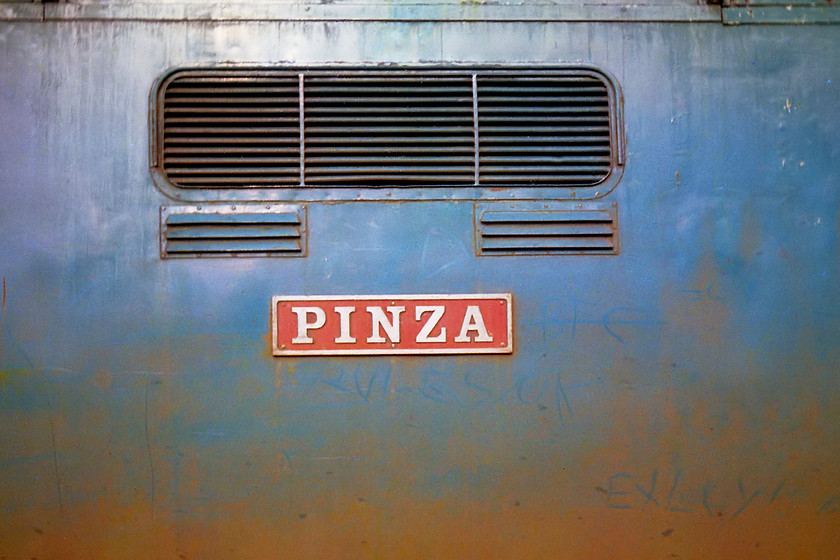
<point x="259" y="128"/>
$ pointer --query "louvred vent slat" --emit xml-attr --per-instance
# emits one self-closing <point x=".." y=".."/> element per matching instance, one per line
<point x="230" y="232"/>
<point x="398" y="127"/>
<point x="547" y="232"/>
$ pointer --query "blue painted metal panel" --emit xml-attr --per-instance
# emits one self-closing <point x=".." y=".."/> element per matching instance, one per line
<point x="679" y="398"/>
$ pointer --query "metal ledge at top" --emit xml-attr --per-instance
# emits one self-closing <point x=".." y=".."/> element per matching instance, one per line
<point x="788" y="14"/>
<point x="430" y="10"/>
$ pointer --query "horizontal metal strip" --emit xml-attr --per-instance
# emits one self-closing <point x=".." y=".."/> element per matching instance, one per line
<point x="370" y="102"/>
<point x="287" y="148"/>
<point x="356" y="129"/>
<point x="544" y="128"/>
<point x="222" y="101"/>
<point x="556" y="179"/>
<point x="546" y="229"/>
<point x="379" y="143"/>
<point x="538" y="76"/>
<point x="173" y="162"/>
<point x="232" y="232"/>
<point x="526" y="167"/>
<point x="547" y="243"/>
<point x="213" y="181"/>
<point x="386" y="150"/>
<point x="341" y="111"/>
<point x="485" y="87"/>
<point x="389" y="159"/>
<point x="605" y="159"/>
<point x="387" y="169"/>
<point x="232" y="219"/>
<point x="541" y="217"/>
<point x="240" y="121"/>
<point x="173" y="130"/>
<point x="232" y="170"/>
<point x="484" y="109"/>
<point x="292" y="87"/>
<point x="233" y="246"/>
<point x="525" y="98"/>
<point x="343" y="141"/>
<point x="592" y="148"/>
<point x="524" y="142"/>
<point x="401" y="118"/>
<point x="289" y="109"/>
<point x="415" y="88"/>
<point x="553" y="119"/>
<point x="278" y="140"/>
<point x="396" y="178"/>
<point x="386" y="77"/>
<point x="232" y="75"/>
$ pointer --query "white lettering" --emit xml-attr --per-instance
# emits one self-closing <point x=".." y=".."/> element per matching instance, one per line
<point x="304" y="326"/>
<point x="378" y="319"/>
<point x="344" y="333"/>
<point x="436" y="313"/>
<point x="473" y="321"/>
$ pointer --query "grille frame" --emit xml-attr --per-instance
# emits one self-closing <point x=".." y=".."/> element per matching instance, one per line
<point x="498" y="189"/>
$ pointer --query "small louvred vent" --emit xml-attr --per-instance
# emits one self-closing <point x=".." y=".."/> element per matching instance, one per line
<point x="395" y="127"/>
<point x="196" y="232"/>
<point x="547" y="232"/>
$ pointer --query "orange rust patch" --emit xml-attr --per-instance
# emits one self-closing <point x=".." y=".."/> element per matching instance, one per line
<point x="410" y="529"/>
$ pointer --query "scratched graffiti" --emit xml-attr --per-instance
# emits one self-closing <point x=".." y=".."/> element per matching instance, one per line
<point x="568" y="319"/>
<point x="726" y="498"/>
<point x="341" y="385"/>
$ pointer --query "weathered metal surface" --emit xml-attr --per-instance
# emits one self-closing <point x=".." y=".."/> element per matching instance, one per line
<point x="773" y="13"/>
<point x="679" y="399"/>
<point x="436" y="10"/>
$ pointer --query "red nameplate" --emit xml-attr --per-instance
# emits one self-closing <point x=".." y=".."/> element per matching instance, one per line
<point x="405" y="324"/>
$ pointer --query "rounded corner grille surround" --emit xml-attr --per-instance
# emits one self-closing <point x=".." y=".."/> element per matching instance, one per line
<point x="240" y="128"/>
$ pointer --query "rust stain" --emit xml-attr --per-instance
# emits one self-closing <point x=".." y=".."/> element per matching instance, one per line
<point x="407" y="529"/>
